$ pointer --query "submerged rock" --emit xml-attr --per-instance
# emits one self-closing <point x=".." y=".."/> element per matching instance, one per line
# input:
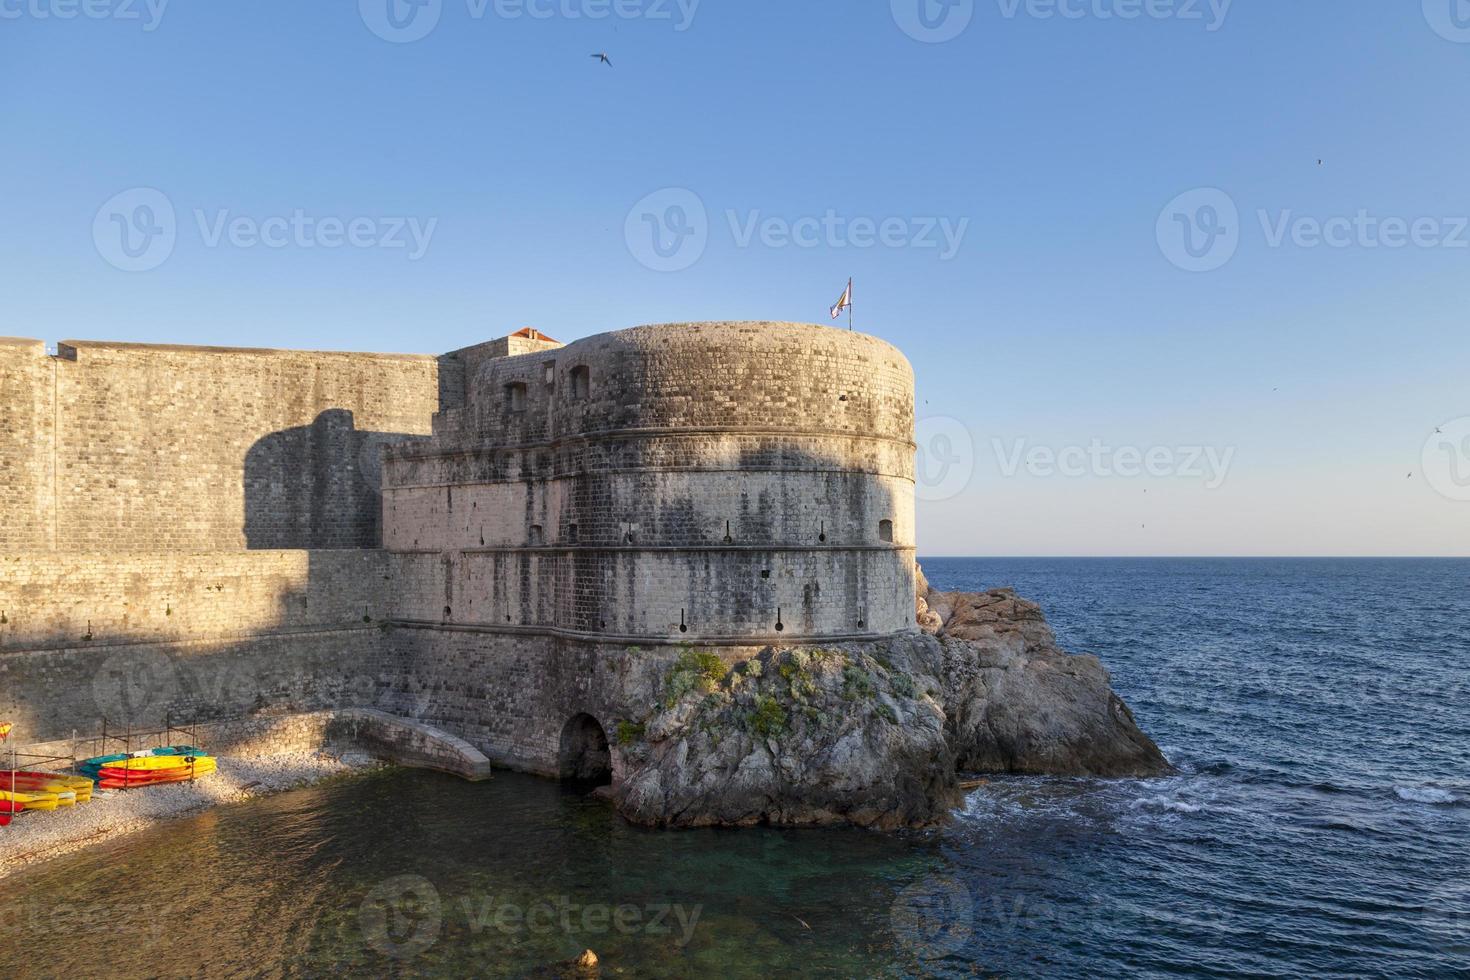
<point x="874" y="734"/>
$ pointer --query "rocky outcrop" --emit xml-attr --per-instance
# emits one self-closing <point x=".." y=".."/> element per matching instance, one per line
<point x="1020" y="704"/>
<point x="794" y="736"/>
<point x="874" y="734"/>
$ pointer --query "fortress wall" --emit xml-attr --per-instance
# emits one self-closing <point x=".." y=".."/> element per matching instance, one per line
<point x="651" y="510"/>
<point x="510" y="696"/>
<point x="204" y="636"/>
<point x="634" y="482"/>
<point x="200" y="449"/>
<point x="26" y="391"/>
<point x="734" y="595"/>
<point x="50" y="600"/>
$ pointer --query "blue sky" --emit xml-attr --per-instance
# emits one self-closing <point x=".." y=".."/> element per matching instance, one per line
<point x="1313" y="375"/>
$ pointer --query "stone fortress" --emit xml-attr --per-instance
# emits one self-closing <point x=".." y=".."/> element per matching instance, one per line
<point x="482" y="541"/>
<point x="722" y="483"/>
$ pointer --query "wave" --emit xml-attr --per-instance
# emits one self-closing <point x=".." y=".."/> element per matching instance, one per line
<point x="1425" y="794"/>
<point x="1166" y="803"/>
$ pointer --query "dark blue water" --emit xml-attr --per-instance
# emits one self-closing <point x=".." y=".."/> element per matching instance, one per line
<point x="1317" y="711"/>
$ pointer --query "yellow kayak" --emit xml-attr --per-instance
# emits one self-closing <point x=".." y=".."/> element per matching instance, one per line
<point x="24" y="781"/>
<point x="35" y="801"/>
<point x="153" y="763"/>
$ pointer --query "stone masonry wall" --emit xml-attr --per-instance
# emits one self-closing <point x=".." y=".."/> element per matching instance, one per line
<point x="27" y="389"/>
<point x="579" y="511"/>
<point x="137" y="638"/>
<point x="718" y="482"/>
<point x="198" y="448"/>
<point x="49" y="601"/>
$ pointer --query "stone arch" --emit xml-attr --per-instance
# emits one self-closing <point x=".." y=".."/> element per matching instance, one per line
<point x="585" y="754"/>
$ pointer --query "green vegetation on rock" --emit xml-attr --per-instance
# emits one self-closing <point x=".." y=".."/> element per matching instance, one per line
<point x="856" y="683"/>
<point x="903" y="685"/>
<point x="768" y="719"/>
<point x="695" y="670"/>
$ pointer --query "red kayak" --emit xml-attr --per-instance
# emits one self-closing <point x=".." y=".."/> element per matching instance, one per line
<point x="127" y="779"/>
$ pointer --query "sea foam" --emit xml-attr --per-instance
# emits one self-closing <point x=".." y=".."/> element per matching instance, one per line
<point x="1425" y="794"/>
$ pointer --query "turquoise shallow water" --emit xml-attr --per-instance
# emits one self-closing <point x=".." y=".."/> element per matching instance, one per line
<point x="1319" y="825"/>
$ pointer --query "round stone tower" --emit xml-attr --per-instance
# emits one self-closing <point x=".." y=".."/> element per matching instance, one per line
<point x="734" y="483"/>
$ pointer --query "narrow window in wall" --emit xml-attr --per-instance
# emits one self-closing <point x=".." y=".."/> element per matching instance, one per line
<point x="537" y="536"/>
<point x="581" y="382"/>
<point x="572" y="533"/>
<point x="885" y="530"/>
<point x="515" y="397"/>
<point x="550" y="373"/>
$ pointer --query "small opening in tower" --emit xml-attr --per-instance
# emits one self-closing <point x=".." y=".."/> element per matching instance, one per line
<point x="823" y="535"/>
<point x="515" y="397"/>
<point x="885" y="530"/>
<point x="537" y="535"/>
<point x="765" y="573"/>
<point x="728" y="539"/>
<point x="779" y="625"/>
<point x="683" y="626"/>
<point x="581" y="382"/>
<point x="572" y="533"/>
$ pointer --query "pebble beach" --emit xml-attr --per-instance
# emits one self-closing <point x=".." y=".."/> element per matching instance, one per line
<point x="36" y="837"/>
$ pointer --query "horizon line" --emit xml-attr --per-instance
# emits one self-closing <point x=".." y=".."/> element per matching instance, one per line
<point x="1197" y="557"/>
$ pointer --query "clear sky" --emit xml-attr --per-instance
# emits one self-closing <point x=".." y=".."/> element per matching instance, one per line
<point x="317" y="174"/>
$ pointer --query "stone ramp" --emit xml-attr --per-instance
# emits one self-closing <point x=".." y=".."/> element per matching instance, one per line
<point x="405" y="742"/>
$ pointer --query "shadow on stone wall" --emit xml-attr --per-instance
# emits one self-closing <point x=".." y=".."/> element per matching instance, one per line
<point x="316" y="486"/>
<point x="198" y="646"/>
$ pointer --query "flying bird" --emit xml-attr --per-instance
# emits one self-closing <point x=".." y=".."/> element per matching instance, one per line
<point x="603" y="58"/>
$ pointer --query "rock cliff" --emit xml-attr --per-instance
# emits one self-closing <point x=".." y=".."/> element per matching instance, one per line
<point x="874" y="735"/>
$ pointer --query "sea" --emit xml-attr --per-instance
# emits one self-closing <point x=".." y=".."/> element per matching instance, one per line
<point x="1318" y="824"/>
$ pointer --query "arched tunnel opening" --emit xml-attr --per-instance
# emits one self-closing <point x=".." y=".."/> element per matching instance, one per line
<point x="585" y="756"/>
